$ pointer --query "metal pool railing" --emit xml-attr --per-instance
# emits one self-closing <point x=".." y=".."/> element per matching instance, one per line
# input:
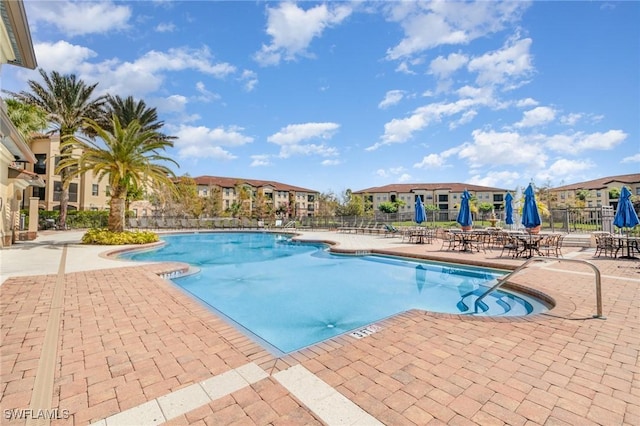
<point x="539" y="259"/>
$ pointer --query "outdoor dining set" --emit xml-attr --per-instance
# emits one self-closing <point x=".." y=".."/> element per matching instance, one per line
<point x="516" y="244"/>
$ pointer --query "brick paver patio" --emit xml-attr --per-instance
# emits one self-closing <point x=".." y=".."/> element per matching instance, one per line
<point x="127" y="337"/>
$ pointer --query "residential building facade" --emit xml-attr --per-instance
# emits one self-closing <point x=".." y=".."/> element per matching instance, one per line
<point x="295" y="201"/>
<point x="86" y="192"/>
<point x="445" y="197"/>
<point x="594" y="193"/>
<point x="16" y="48"/>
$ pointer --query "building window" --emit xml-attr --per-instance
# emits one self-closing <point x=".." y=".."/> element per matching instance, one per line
<point x="598" y="194"/>
<point x="57" y="190"/>
<point x="73" y="193"/>
<point x="40" y="193"/>
<point x="41" y="164"/>
<point x="443" y="198"/>
<point x="94" y="189"/>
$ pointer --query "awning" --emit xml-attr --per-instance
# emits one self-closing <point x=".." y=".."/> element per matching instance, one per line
<point x="25" y="177"/>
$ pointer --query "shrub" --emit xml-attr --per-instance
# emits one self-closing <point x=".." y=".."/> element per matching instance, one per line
<point x="103" y="236"/>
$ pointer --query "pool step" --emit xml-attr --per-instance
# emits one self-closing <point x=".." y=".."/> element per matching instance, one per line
<point x="496" y="304"/>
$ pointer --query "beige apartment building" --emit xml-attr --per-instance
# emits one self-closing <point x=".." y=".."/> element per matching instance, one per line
<point x="445" y="197"/>
<point x="86" y="192"/>
<point x="594" y="193"/>
<point x="299" y="202"/>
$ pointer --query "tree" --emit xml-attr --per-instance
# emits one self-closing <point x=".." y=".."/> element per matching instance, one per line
<point x="28" y="119"/>
<point x="128" y="110"/>
<point x="614" y="193"/>
<point x="327" y="204"/>
<point x="130" y="156"/>
<point x="186" y="201"/>
<point x="388" y="207"/>
<point x="67" y="102"/>
<point x="485" y="208"/>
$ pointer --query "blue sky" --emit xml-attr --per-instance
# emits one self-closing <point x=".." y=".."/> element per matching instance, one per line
<point x="339" y="95"/>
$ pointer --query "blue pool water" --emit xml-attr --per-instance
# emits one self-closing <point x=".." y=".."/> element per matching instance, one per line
<point x="292" y="295"/>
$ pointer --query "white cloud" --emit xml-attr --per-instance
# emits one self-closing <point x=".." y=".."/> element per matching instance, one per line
<point x="400" y="130"/>
<point x="537" y="117"/>
<point x="443" y="67"/>
<point x="206" y="95"/>
<point x="571" y="119"/>
<point x="146" y="74"/>
<point x="80" y="18"/>
<point x="392" y="172"/>
<point x="292" y="29"/>
<point x="405" y="177"/>
<point x="505" y="66"/>
<point x="165" y="27"/>
<point x="502" y="179"/>
<point x="62" y="56"/>
<point x="564" y="169"/>
<point x="290" y="139"/>
<point x="333" y="162"/>
<point x="631" y="159"/>
<point x="260" y="160"/>
<point x="203" y="142"/>
<point x="431" y="161"/>
<point x="392" y="97"/>
<point x="296" y="133"/>
<point x="171" y="104"/>
<point x="578" y="142"/>
<point x="526" y="103"/>
<point x="249" y="79"/>
<point x="430" y="24"/>
<point x="491" y="149"/>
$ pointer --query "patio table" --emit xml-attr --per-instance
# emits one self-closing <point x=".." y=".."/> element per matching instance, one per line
<point x="530" y="243"/>
<point x="632" y="244"/>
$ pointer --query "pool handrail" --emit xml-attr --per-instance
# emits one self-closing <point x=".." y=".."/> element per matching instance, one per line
<point x="504" y="279"/>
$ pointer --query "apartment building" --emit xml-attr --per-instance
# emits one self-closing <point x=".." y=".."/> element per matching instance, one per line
<point x="16" y="49"/>
<point x="594" y="193"/>
<point x="444" y="196"/>
<point x="298" y="202"/>
<point x="86" y="192"/>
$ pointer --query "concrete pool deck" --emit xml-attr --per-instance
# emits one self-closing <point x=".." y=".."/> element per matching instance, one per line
<point x="87" y="339"/>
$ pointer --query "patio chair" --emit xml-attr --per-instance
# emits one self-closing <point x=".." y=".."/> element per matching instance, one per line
<point x="605" y="244"/>
<point x="512" y="246"/>
<point x="449" y="241"/>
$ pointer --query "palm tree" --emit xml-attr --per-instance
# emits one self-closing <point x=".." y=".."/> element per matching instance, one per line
<point x="67" y="102"/>
<point x="128" y="109"/>
<point x="28" y="119"/>
<point x="129" y="157"/>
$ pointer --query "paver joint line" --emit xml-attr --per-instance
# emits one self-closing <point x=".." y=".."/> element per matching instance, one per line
<point x="42" y="394"/>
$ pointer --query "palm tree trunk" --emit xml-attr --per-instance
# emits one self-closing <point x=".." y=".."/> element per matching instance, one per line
<point x="64" y="203"/>
<point x="116" y="213"/>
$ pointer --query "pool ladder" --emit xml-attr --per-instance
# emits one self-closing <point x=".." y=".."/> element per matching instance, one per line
<point x="539" y="259"/>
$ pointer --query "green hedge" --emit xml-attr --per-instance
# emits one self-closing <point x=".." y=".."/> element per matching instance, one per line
<point x="103" y="236"/>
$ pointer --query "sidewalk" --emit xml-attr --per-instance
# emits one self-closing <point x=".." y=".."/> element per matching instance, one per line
<point x="133" y="348"/>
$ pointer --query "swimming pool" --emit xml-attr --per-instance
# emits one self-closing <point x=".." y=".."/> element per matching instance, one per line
<point x="291" y="295"/>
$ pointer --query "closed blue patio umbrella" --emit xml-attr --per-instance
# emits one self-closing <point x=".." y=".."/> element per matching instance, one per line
<point x="508" y="202"/>
<point x="420" y="215"/>
<point x="464" y="215"/>
<point x="626" y="216"/>
<point x="530" y="214"/>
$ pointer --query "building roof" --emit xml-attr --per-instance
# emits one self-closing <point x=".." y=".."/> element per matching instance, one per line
<point x="229" y="182"/>
<point x="415" y="187"/>
<point x="600" y="183"/>
<point x="17" y="35"/>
